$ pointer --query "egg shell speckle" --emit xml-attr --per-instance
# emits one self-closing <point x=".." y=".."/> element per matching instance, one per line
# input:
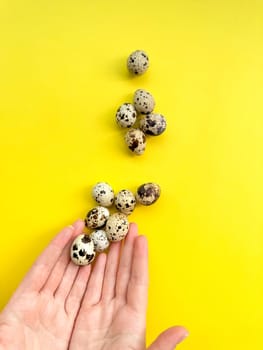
<point x="143" y="101"/>
<point x="103" y="194"/>
<point x="138" y="62"/>
<point x="97" y="217"/>
<point x="100" y="240"/>
<point x="117" y="227"/>
<point x="82" y="250"/>
<point x="153" y="124"/>
<point x="126" y="115"/>
<point x="136" y="141"/>
<point x="125" y="202"/>
<point x="148" y="193"/>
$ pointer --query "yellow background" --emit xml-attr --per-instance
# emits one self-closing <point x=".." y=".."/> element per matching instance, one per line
<point x="62" y="77"/>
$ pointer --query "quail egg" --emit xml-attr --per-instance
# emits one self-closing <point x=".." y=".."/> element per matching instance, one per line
<point x="82" y="250"/>
<point x="138" y="62"/>
<point x="97" y="217"/>
<point x="136" y="141"/>
<point x="125" y="201"/>
<point x="117" y="227"/>
<point x="103" y="194"/>
<point x="126" y="115"/>
<point x="100" y="240"/>
<point x="148" y="193"/>
<point x="153" y="124"/>
<point x="143" y="101"/>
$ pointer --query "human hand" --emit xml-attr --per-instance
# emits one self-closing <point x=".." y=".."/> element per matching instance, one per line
<point x="59" y="304"/>
<point x="113" y="311"/>
<point x="42" y="311"/>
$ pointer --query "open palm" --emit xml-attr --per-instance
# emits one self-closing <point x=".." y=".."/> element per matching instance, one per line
<point x="112" y="315"/>
<point x="62" y="306"/>
<point x="42" y="311"/>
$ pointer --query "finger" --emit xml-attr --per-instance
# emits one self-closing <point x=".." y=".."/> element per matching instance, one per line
<point x="67" y="281"/>
<point x="94" y="288"/>
<point x="123" y="274"/>
<point x="58" y="271"/>
<point x="38" y="274"/>
<point x="76" y="294"/>
<point x="56" y="274"/>
<point x="169" y="338"/>
<point x="108" y="290"/>
<point x="137" y="294"/>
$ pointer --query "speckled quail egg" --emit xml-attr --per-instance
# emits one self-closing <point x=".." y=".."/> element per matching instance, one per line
<point x="97" y="217"/>
<point x="148" y="193"/>
<point x="153" y="124"/>
<point x="138" y="62"/>
<point x="136" y="141"/>
<point x="82" y="250"/>
<point x="143" y="101"/>
<point x="125" y="201"/>
<point x="126" y="115"/>
<point x="100" y="240"/>
<point x="103" y="194"/>
<point x="117" y="227"/>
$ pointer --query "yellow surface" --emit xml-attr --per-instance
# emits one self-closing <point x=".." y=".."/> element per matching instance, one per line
<point x="63" y="75"/>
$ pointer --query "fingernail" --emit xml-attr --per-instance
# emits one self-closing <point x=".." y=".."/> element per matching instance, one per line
<point x="185" y="335"/>
<point x="71" y="226"/>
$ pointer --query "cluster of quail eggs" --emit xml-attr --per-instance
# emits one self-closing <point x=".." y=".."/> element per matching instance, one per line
<point x="139" y="116"/>
<point x="109" y="227"/>
<point x="106" y="227"/>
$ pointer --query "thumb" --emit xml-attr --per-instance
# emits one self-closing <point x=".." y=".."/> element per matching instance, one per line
<point x="168" y="339"/>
